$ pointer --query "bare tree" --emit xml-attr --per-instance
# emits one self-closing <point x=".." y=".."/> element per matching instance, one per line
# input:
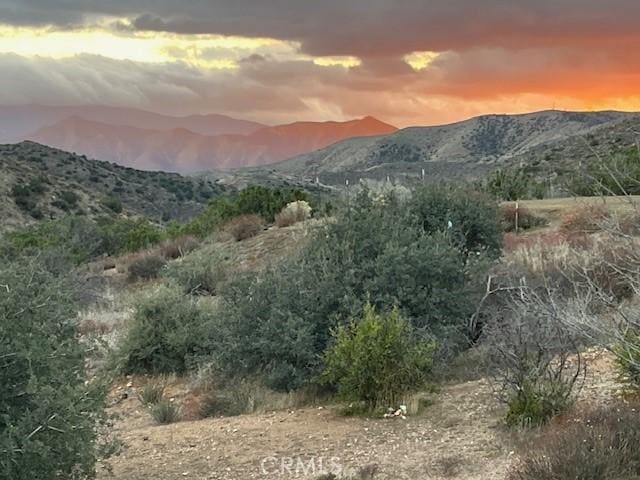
<point x="534" y="358"/>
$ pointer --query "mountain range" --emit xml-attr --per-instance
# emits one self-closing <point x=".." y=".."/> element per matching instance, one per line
<point x="465" y="149"/>
<point x="18" y="122"/>
<point x="151" y="141"/>
<point x="329" y="153"/>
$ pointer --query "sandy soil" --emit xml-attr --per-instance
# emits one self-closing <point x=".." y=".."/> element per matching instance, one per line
<point x="459" y="436"/>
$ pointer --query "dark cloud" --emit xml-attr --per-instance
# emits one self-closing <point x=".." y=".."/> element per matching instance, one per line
<point x="497" y="55"/>
<point x="365" y="28"/>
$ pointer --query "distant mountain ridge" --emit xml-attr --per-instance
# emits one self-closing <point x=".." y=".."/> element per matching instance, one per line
<point x="182" y="150"/>
<point x="460" y="150"/>
<point x="18" y="122"/>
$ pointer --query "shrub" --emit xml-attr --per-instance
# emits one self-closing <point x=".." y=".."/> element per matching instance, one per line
<point x="167" y="330"/>
<point x="293" y="213"/>
<point x="514" y="184"/>
<point x="237" y="399"/>
<point x="244" y="227"/>
<point x="377" y="360"/>
<point x="627" y="352"/>
<point x="179" y="247"/>
<point x="617" y="175"/>
<point x="526" y="219"/>
<point x="254" y="200"/>
<point x="84" y="239"/>
<point x="66" y="200"/>
<point x="473" y="218"/>
<point x="27" y="195"/>
<point x="530" y="348"/>
<point x="112" y="203"/>
<point x="123" y="235"/>
<point x="48" y="409"/>
<point x="151" y="393"/>
<point x="601" y="443"/>
<point x="584" y="220"/>
<point x="146" y="267"/>
<point x="165" y="412"/>
<point x="198" y="274"/>
<point x="278" y="322"/>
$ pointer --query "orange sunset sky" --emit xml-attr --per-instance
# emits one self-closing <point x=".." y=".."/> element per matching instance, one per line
<point x="406" y="62"/>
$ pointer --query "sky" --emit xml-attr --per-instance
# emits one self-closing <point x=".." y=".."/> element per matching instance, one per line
<point x="407" y="62"/>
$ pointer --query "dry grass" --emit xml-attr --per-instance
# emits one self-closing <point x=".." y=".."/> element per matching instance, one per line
<point x="554" y="208"/>
<point x="591" y="444"/>
<point x="244" y="227"/>
<point x="177" y="248"/>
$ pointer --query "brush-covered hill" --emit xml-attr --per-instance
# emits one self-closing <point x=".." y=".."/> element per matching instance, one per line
<point x="39" y="182"/>
<point x="461" y="150"/>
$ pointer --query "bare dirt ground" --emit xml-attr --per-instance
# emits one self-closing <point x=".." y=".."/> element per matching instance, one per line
<point x="459" y="436"/>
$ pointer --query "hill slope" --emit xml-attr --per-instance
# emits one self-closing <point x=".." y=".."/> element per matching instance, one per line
<point x="463" y="149"/>
<point x="41" y="182"/>
<point x="182" y="150"/>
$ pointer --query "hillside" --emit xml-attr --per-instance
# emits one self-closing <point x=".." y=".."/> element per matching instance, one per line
<point x="183" y="150"/>
<point x="464" y="149"/>
<point x="18" y="122"/>
<point x="41" y="182"/>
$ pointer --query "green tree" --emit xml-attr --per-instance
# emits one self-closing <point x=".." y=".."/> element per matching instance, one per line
<point x="48" y="412"/>
<point x="377" y="359"/>
<point x="468" y="217"/>
<point x="279" y="321"/>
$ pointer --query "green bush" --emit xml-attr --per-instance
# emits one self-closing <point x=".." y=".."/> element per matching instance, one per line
<point x="618" y="174"/>
<point x="124" y="235"/>
<point x="165" y="412"/>
<point x="627" y="355"/>
<point x="85" y="239"/>
<point x="514" y="184"/>
<point x="48" y="412"/>
<point x="279" y="321"/>
<point x="254" y="200"/>
<point x="28" y="195"/>
<point x="596" y="444"/>
<point x="198" y="274"/>
<point x="151" y="393"/>
<point x="534" y="403"/>
<point x="78" y="237"/>
<point x="166" y="332"/>
<point x="112" y="203"/>
<point x="66" y="200"/>
<point x="377" y="359"/>
<point x="146" y="267"/>
<point x="469" y="218"/>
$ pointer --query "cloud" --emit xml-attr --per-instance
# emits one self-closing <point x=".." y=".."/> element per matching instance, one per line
<point x="338" y="58"/>
<point x="260" y="88"/>
<point x="362" y="28"/>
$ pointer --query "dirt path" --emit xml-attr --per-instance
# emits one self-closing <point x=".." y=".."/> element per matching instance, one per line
<point x="459" y="436"/>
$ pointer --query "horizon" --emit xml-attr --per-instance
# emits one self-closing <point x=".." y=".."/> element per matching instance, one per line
<point x="412" y="64"/>
<point x="325" y="121"/>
